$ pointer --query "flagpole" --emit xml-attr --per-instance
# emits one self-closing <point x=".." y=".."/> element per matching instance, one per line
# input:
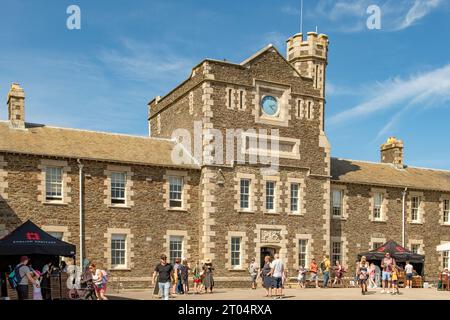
<point x="301" y="16"/>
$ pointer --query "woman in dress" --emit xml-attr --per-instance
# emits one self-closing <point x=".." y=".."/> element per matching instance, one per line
<point x="185" y="276"/>
<point x="209" y="279"/>
<point x="337" y="273"/>
<point x="362" y="271"/>
<point x="372" y="271"/>
<point x="267" y="277"/>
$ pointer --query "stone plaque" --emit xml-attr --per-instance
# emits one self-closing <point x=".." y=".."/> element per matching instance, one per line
<point x="270" y="236"/>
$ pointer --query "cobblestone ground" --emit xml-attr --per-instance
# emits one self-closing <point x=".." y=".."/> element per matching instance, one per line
<point x="295" y="294"/>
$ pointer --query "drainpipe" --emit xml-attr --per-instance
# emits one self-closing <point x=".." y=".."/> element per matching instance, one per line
<point x="403" y="216"/>
<point x="80" y="167"/>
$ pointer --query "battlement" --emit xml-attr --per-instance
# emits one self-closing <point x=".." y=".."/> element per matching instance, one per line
<point x="314" y="45"/>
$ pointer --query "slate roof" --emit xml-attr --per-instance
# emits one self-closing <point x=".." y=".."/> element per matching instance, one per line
<point x="383" y="174"/>
<point x="90" y="145"/>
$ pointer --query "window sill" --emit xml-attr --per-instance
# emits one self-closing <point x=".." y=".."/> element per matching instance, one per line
<point x="379" y="221"/>
<point x="271" y="212"/>
<point x="338" y="218"/>
<point x="54" y="203"/>
<point x="177" y="209"/>
<point x="246" y="211"/>
<point x="119" y="206"/>
<point x="299" y="214"/>
<point x="120" y="269"/>
<point x="237" y="269"/>
<point x="416" y="222"/>
<point x="445" y="224"/>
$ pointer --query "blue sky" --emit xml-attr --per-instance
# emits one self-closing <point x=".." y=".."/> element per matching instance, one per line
<point x="393" y="81"/>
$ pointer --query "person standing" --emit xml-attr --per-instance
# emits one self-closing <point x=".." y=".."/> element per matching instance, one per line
<point x="164" y="274"/>
<point x="387" y="264"/>
<point x="325" y="266"/>
<point x="277" y="271"/>
<point x="196" y="274"/>
<point x="338" y="271"/>
<point x="253" y="269"/>
<point x="395" y="280"/>
<point x="266" y="277"/>
<point x="372" y="283"/>
<point x="301" y="277"/>
<point x="184" y="272"/>
<point x="100" y="279"/>
<point x="362" y="271"/>
<point x="37" y="293"/>
<point x="209" y="279"/>
<point x="409" y="274"/>
<point x="313" y="269"/>
<point x="45" y="283"/>
<point x="176" y="273"/>
<point x="23" y="275"/>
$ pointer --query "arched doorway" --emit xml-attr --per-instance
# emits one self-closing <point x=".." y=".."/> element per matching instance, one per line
<point x="268" y="251"/>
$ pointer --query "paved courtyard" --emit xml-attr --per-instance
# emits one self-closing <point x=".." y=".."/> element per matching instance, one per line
<point x="295" y="294"/>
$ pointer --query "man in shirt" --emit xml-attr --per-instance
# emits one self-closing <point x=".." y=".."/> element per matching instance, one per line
<point x="25" y="275"/>
<point x="253" y="269"/>
<point x="277" y="270"/>
<point x="325" y="266"/>
<point x="409" y="274"/>
<point x="387" y="265"/>
<point x="164" y="273"/>
<point x="313" y="268"/>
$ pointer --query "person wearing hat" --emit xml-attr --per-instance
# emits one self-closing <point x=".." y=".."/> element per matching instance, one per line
<point x="25" y="276"/>
<point x="208" y="272"/>
<point x="164" y="273"/>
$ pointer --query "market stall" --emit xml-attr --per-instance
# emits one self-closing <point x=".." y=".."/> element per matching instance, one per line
<point x="30" y="240"/>
<point x="401" y="255"/>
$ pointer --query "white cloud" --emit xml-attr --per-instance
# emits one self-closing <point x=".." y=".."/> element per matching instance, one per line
<point x="428" y="89"/>
<point x="145" y="62"/>
<point x="419" y="10"/>
<point x="350" y="16"/>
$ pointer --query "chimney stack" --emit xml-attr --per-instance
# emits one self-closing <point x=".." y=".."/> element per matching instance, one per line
<point x="16" y="106"/>
<point x="392" y="152"/>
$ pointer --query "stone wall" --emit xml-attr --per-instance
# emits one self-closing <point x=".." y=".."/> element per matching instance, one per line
<point x="360" y="231"/>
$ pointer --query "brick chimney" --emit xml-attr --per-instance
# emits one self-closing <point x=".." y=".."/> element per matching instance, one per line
<point x="16" y="106"/>
<point x="392" y="152"/>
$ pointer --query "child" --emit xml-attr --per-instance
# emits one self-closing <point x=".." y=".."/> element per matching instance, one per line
<point x="372" y="283"/>
<point x="301" y="276"/>
<point x="37" y="294"/>
<point x="395" y="280"/>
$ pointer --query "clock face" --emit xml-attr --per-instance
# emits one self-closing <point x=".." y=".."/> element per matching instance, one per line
<point x="269" y="105"/>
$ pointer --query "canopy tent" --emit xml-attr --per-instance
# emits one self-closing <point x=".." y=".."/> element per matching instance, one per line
<point x="399" y="253"/>
<point x="29" y="239"/>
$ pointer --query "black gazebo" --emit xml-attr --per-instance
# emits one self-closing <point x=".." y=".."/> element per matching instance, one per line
<point x="30" y="240"/>
<point x="399" y="253"/>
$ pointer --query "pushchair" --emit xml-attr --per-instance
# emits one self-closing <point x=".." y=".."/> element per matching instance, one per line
<point x="86" y="290"/>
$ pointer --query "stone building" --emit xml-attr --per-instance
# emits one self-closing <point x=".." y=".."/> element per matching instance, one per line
<point x="123" y="200"/>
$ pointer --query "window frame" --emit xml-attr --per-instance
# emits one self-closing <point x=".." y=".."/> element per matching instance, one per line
<point x="116" y="237"/>
<point x="378" y="208"/>
<point x="54" y="198"/>
<point x="415" y="210"/>
<point x="115" y="188"/>
<point x="233" y="251"/>
<point x="244" y="196"/>
<point x="305" y="253"/>
<point x="334" y="254"/>
<point x="270" y="196"/>
<point x="171" y="180"/>
<point x="446" y="211"/>
<point x="179" y="241"/>
<point x="341" y="202"/>
<point x="296" y="198"/>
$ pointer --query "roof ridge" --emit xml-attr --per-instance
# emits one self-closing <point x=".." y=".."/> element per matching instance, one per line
<point x="391" y="165"/>
<point x="99" y="132"/>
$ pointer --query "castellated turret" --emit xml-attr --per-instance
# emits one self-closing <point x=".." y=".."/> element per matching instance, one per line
<point x="309" y="57"/>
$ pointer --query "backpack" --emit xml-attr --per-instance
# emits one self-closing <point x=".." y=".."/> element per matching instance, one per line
<point x="14" y="277"/>
<point x="322" y="266"/>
